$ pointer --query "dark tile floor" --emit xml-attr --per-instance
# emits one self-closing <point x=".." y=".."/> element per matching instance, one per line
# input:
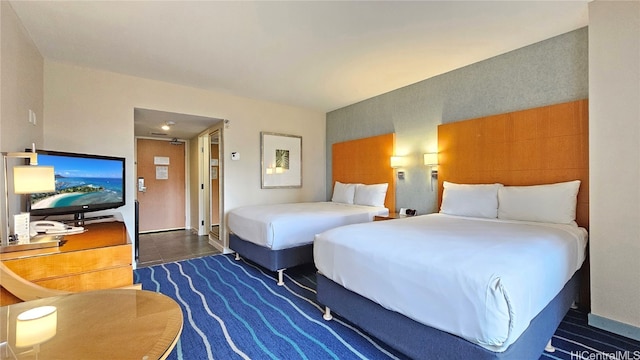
<point x="168" y="246"/>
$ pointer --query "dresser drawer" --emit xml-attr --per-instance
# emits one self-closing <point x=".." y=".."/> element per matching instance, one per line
<point x="65" y="264"/>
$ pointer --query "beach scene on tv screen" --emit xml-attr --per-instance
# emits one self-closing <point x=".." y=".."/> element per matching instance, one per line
<point x="80" y="181"/>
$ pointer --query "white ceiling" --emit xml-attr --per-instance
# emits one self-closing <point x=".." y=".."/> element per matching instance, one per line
<point x="321" y="55"/>
<point x="148" y="123"/>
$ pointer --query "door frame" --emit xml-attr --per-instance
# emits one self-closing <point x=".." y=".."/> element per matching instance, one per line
<point x="204" y="176"/>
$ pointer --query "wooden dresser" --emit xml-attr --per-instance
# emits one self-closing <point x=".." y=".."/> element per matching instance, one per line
<point x="99" y="258"/>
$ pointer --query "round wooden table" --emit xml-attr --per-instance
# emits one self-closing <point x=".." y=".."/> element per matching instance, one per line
<point x="102" y="324"/>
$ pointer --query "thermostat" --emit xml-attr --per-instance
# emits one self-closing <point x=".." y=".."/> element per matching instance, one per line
<point x="235" y="155"/>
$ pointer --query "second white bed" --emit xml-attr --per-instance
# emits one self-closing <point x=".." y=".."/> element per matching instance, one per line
<point x="481" y="279"/>
<point x="283" y="226"/>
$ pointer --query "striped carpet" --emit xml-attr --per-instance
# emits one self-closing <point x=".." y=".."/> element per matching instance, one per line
<point x="234" y="310"/>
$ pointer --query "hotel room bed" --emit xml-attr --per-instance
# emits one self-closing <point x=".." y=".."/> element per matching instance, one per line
<point x="491" y="296"/>
<point x="452" y="274"/>
<point x="281" y="235"/>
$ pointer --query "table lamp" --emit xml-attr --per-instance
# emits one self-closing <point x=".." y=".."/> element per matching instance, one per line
<point x="35" y="326"/>
<point x="27" y="179"/>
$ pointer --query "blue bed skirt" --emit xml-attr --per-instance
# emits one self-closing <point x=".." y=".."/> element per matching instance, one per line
<point x="419" y="341"/>
<point x="273" y="260"/>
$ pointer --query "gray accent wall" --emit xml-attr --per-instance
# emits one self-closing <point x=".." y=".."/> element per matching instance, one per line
<point x="549" y="72"/>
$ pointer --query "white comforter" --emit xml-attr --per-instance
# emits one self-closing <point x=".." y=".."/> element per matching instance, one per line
<point x="483" y="280"/>
<point x="282" y="226"/>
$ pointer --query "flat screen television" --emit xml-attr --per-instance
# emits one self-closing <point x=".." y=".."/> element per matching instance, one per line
<point x="84" y="183"/>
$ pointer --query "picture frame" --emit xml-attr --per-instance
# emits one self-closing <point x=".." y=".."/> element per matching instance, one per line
<point x="281" y="160"/>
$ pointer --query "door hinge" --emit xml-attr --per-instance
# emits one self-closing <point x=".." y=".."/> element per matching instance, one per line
<point x="202" y="186"/>
<point x="202" y="222"/>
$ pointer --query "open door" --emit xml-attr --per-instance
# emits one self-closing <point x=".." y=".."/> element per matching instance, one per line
<point x="212" y="189"/>
<point x="214" y="204"/>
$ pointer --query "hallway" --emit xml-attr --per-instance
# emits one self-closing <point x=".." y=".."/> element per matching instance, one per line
<point x="163" y="247"/>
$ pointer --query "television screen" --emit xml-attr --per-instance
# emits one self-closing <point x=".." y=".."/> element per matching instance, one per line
<point x="83" y="183"/>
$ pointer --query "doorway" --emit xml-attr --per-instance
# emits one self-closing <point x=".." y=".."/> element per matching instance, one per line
<point x="186" y="236"/>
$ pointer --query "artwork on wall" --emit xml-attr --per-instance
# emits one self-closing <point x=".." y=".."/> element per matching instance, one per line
<point x="281" y="160"/>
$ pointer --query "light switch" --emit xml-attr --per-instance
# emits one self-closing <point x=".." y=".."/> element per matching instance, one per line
<point x="235" y="155"/>
<point x="32" y="117"/>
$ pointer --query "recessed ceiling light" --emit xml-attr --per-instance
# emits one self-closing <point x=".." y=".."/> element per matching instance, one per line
<point x="168" y="125"/>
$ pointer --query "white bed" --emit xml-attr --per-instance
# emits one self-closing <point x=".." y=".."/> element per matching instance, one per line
<point x="493" y="261"/>
<point x="282" y="226"/>
<point x="453" y="273"/>
<point x="281" y="235"/>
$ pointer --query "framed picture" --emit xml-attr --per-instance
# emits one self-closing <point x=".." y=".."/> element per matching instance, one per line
<point x="281" y="160"/>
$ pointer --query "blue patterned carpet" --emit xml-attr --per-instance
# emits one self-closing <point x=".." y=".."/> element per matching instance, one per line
<point x="234" y="310"/>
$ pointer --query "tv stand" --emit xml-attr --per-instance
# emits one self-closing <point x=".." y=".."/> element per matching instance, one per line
<point x="79" y="219"/>
<point x="100" y="258"/>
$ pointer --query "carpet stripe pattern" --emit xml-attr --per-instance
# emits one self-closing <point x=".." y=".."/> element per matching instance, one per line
<point x="234" y="310"/>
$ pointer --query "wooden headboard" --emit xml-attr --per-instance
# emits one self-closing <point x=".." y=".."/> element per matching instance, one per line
<point x="537" y="146"/>
<point x="366" y="161"/>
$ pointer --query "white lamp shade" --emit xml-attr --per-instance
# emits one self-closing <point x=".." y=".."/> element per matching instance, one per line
<point x="36" y="326"/>
<point x="397" y="161"/>
<point x="431" y="159"/>
<point x="30" y="179"/>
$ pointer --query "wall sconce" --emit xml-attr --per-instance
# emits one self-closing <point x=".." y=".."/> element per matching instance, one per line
<point x="27" y="179"/>
<point x="398" y="162"/>
<point x="431" y="160"/>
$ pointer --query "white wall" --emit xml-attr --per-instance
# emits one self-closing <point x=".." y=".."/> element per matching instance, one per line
<point x="614" y="163"/>
<point x="21" y="74"/>
<point x="91" y="111"/>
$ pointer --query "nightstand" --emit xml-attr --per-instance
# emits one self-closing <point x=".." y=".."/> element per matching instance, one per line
<point x="391" y="216"/>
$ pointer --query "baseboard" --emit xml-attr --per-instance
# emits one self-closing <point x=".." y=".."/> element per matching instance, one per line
<point x="614" y="326"/>
<point x="216" y="243"/>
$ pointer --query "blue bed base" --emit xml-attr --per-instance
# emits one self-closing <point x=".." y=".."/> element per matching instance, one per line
<point x="274" y="260"/>
<point x="419" y="341"/>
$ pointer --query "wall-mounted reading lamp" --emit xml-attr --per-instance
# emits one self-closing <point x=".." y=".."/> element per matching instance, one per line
<point x="27" y="179"/>
<point x="398" y="162"/>
<point x="431" y="160"/>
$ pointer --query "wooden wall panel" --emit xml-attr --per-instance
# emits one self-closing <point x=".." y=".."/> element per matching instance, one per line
<point x="366" y="161"/>
<point x="536" y="146"/>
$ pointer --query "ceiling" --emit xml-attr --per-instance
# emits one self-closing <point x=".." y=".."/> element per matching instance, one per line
<point x="148" y="123"/>
<point x="320" y="55"/>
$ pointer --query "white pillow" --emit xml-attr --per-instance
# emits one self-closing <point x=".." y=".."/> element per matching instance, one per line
<point x="475" y="200"/>
<point x="552" y="203"/>
<point x="343" y="193"/>
<point x="371" y="195"/>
